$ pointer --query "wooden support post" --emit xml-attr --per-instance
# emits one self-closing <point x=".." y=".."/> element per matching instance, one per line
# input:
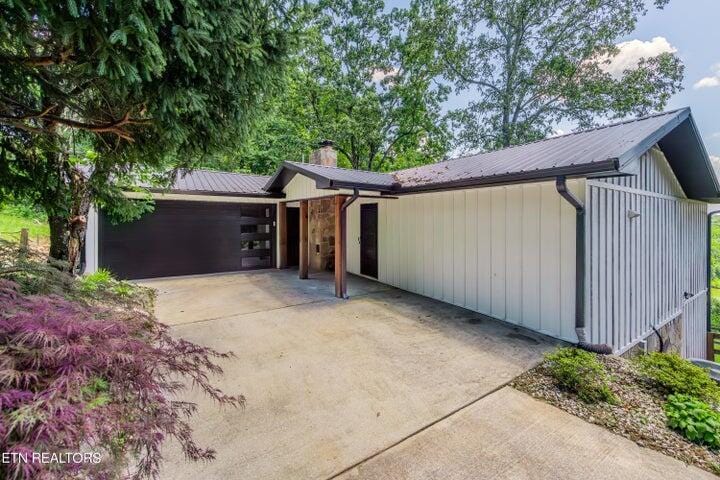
<point x="304" y="260"/>
<point x="282" y="235"/>
<point x="340" y="247"/>
<point x="24" y="240"/>
<point x="711" y="350"/>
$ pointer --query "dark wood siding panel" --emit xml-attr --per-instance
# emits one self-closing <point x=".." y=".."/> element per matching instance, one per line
<point x="183" y="238"/>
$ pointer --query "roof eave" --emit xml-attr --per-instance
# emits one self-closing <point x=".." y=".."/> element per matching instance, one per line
<point x="216" y="193"/>
<point x="605" y="167"/>
<point x="647" y="143"/>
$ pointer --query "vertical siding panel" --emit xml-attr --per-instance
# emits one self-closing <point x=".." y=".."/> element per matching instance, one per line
<point x="550" y="259"/>
<point x="603" y="297"/>
<point x="531" y="257"/>
<point x="418" y="242"/>
<point x="437" y="246"/>
<point x="428" y="232"/>
<point x="614" y="247"/>
<point x="498" y="252"/>
<point x="404" y="257"/>
<point x="411" y="244"/>
<point x="513" y="254"/>
<point x="447" y="247"/>
<point x="458" y="248"/>
<point x="622" y="331"/>
<point x="471" y="247"/>
<point x="484" y="261"/>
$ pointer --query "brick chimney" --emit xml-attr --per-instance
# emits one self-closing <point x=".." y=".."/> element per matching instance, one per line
<point x="325" y="154"/>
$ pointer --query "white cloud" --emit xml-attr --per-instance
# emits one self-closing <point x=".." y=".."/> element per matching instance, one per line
<point x="709" y="82"/>
<point x="630" y="53"/>
<point x="379" y="75"/>
<point x="715" y="160"/>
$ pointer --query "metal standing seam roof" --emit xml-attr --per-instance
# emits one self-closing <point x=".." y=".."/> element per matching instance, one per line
<point x="214" y="182"/>
<point x="600" y="149"/>
<point x="347" y="175"/>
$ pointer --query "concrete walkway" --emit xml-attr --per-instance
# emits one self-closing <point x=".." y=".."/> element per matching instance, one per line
<point x="385" y="385"/>
<point x="511" y="436"/>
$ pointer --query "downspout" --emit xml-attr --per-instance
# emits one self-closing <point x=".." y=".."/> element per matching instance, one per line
<point x="343" y="234"/>
<point x="562" y="189"/>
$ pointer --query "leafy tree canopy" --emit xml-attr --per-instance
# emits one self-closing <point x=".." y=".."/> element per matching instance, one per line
<point x="528" y="64"/>
<point x="364" y="78"/>
<point x="136" y="83"/>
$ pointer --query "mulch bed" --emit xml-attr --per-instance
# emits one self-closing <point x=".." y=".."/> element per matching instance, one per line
<point x="639" y="414"/>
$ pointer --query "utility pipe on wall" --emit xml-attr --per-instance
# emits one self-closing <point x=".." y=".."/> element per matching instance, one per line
<point x="343" y="235"/>
<point x="562" y="189"/>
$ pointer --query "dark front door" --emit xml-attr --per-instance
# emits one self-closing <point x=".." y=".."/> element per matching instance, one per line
<point x="183" y="238"/>
<point x="293" y="236"/>
<point x="369" y="239"/>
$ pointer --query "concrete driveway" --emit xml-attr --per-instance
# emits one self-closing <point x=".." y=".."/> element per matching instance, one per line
<point x="385" y="385"/>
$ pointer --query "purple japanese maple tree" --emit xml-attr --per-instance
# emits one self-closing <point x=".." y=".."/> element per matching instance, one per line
<point x="85" y="377"/>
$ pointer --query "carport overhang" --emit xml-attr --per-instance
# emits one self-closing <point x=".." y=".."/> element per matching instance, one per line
<point x="341" y="202"/>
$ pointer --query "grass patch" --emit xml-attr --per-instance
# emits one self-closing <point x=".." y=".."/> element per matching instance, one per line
<point x="14" y="218"/>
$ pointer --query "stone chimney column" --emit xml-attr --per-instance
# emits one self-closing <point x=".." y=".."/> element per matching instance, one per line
<point x="321" y="215"/>
<point x="325" y="154"/>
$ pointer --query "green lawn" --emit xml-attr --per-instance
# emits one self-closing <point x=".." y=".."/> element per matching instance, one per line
<point x="11" y="222"/>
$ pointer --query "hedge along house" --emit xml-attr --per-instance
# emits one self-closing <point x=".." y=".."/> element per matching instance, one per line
<point x="597" y="237"/>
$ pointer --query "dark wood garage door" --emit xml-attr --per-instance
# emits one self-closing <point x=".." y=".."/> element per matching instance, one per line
<point x="184" y="238"/>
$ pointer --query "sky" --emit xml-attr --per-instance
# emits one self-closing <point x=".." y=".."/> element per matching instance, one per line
<point x="689" y="28"/>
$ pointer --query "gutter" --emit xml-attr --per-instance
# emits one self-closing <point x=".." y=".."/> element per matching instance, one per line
<point x="343" y="240"/>
<point x="562" y="189"/>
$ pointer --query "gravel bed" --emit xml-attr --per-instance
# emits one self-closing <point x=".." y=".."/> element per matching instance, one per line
<point x="639" y="414"/>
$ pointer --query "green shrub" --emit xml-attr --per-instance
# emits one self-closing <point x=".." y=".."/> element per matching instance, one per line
<point x="580" y="372"/>
<point x="674" y="374"/>
<point x="715" y="312"/>
<point x="96" y="281"/>
<point x="696" y="420"/>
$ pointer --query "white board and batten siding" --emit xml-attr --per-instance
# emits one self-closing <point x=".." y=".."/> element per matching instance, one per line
<point x="507" y="252"/>
<point x="303" y="188"/>
<point x="646" y="249"/>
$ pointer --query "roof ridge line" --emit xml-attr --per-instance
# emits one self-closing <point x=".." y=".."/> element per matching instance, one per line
<point x="600" y="127"/>
<point x="224" y="171"/>
<point x="338" y="168"/>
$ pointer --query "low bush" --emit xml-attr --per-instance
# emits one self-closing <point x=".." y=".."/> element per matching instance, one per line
<point x="85" y="367"/>
<point x="673" y="374"/>
<point x="582" y="373"/>
<point x="102" y="284"/>
<point x="715" y="312"/>
<point x="696" y="420"/>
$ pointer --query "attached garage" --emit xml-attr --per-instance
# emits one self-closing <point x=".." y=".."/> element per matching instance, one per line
<point x="209" y="222"/>
<point x="184" y="238"/>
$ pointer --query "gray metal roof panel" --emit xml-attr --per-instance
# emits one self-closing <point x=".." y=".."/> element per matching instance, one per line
<point x="210" y="181"/>
<point x="346" y="175"/>
<point x="588" y="147"/>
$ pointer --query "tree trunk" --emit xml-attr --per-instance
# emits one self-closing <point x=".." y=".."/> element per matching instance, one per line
<point x="78" y="218"/>
<point x="78" y="227"/>
<point x="59" y="235"/>
<point x="67" y="233"/>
